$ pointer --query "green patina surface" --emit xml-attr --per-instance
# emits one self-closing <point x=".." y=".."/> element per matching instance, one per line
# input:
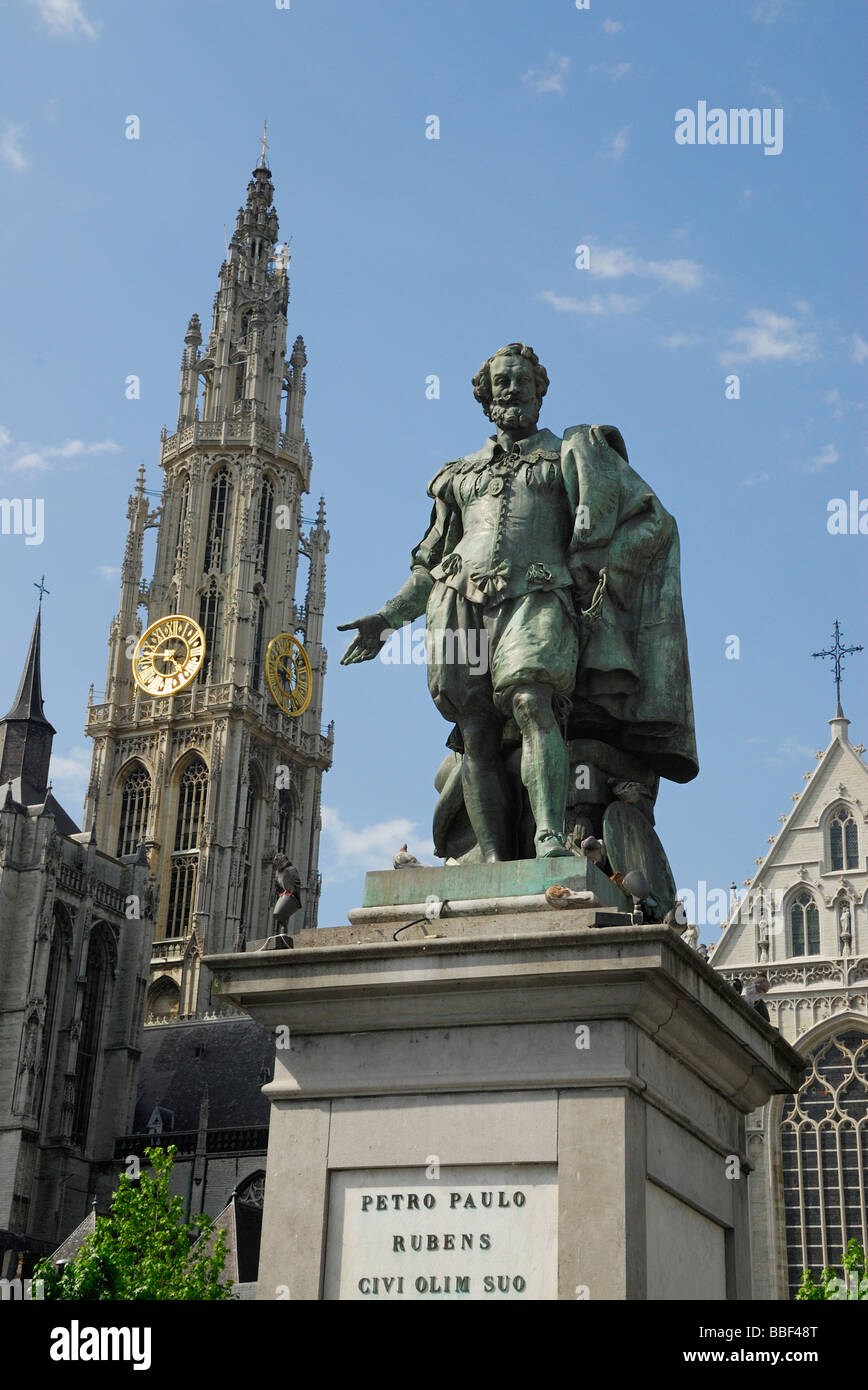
<point x="511" y="879"/>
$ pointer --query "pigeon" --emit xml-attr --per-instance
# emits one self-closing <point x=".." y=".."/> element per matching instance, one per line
<point x="403" y="860"/>
<point x="289" y="883"/>
<point x="287" y="875"/>
<point x="593" y="849"/>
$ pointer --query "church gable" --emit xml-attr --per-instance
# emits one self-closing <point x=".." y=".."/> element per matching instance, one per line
<point x="809" y="896"/>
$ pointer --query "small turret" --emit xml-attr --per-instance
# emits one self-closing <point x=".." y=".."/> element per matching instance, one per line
<point x="25" y="734"/>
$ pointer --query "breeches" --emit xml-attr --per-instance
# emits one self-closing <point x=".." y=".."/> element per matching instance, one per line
<point x="478" y="656"/>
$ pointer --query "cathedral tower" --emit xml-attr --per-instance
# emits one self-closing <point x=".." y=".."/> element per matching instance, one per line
<point x="217" y="777"/>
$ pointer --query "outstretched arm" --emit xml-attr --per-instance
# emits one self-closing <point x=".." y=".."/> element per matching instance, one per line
<point x="410" y="601"/>
<point x="374" y="630"/>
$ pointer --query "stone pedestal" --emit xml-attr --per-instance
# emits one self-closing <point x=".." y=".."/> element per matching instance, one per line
<point x="531" y="1104"/>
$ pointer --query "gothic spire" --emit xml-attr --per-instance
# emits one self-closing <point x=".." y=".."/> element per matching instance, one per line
<point x="25" y="733"/>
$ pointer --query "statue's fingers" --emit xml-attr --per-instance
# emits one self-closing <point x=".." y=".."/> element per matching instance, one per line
<point x="348" y="627"/>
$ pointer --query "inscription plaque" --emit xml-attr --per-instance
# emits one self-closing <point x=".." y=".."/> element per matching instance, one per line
<point x="472" y="1232"/>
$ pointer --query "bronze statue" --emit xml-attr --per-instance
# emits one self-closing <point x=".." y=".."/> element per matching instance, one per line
<point x="560" y="563"/>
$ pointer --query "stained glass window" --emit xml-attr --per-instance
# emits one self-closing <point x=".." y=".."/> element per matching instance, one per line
<point x="844" y="840"/>
<point x="824" y="1157"/>
<point x="135" y="801"/>
<point x="805" y="926"/>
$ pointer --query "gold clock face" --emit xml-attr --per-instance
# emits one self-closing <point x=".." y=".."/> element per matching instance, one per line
<point x="168" y="655"/>
<point x="287" y="670"/>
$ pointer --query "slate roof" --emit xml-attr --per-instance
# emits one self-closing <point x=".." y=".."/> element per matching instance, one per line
<point x="236" y="1059"/>
<point x="35" y="802"/>
<point x="74" y="1241"/>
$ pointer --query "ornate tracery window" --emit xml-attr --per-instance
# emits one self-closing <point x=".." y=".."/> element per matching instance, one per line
<point x="183" y="490"/>
<point x="209" y="621"/>
<point x="219" y="509"/>
<point x="824" y="1151"/>
<point x="805" y="926"/>
<point x="135" y="802"/>
<point x="258" y="635"/>
<point x="843" y="840"/>
<point x="263" y="527"/>
<point x="53" y="988"/>
<point x="90" y="1029"/>
<point x="250" y="828"/>
<point x="192" y="792"/>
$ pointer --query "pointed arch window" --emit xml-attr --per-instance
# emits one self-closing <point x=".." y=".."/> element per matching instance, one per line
<point x="90" y="1029"/>
<point x="824" y="1157"/>
<point x="53" y="987"/>
<point x="135" y="804"/>
<point x="263" y="527"/>
<point x="288" y="815"/>
<point x="843" y="840"/>
<point x="193" y="789"/>
<point x="183" y="508"/>
<point x="805" y="926"/>
<point x="164" y="998"/>
<point x="256" y="665"/>
<point x="219" y="520"/>
<point x="210" y="604"/>
<point x="192" y="794"/>
<point x="250" y="827"/>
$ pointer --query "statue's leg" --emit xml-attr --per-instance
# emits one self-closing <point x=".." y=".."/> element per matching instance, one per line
<point x="462" y="692"/>
<point x="544" y="766"/>
<point x="486" y="792"/>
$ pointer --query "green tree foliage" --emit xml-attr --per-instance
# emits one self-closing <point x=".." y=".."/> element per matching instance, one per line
<point x="853" y="1285"/>
<point x="143" y="1250"/>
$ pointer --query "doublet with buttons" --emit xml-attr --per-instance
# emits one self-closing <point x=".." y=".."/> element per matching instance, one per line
<point x="516" y="522"/>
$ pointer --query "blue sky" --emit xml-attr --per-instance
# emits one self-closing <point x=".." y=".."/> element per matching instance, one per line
<point x="413" y="257"/>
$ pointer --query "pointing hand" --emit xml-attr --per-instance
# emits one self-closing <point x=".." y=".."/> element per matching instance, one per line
<point x="372" y="634"/>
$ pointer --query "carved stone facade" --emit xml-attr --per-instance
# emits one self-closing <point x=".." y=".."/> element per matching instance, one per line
<point x="216" y="779"/>
<point x="74" y="953"/>
<point x="803" y="922"/>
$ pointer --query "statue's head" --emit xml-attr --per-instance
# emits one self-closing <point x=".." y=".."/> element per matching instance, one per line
<point x="510" y="387"/>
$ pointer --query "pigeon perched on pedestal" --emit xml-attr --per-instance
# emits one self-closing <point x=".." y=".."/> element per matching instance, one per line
<point x="593" y="849"/>
<point x="403" y="860"/>
<point x="289" y="883"/>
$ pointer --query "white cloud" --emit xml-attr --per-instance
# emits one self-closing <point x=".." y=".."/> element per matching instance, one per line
<point x="107" y="572"/>
<point x="825" y="456"/>
<point x="10" y="147"/>
<point x="754" y="479"/>
<point x="616" y="71"/>
<point x="858" y="349"/>
<point x="834" y="399"/>
<point x="38" y="460"/>
<point x="5" y="438"/>
<point x="617" y="146"/>
<point x="616" y="262"/>
<point x="788" y="748"/>
<point x="769" y="337"/>
<point x="680" y="340"/>
<point x="373" y="847"/>
<point x="65" y="17"/>
<point x="551" y="80"/>
<point x="768" y="11"/>
<point x="598" y="305"/>
<point x="612" y="26"/>
<point x="69" y="778"/>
